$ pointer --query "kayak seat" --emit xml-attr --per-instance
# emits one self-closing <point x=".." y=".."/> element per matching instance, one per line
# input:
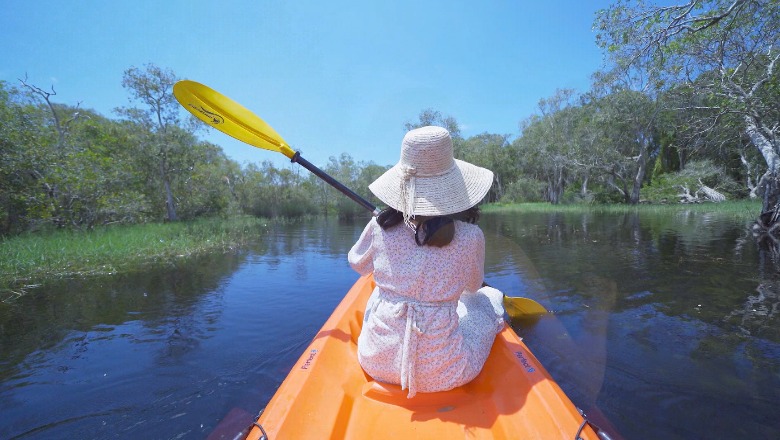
<point x="394" y="395"/>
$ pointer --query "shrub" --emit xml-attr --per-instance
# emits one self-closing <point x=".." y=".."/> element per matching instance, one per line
<point x="667" y="188"/>
<point x="523" y="190"/>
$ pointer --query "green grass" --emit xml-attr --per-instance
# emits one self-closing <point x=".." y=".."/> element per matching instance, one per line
<point x="30" y="258"/>
<point x="744" y="209"/>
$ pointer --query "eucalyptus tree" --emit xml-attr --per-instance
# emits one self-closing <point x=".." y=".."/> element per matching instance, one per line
<point x="267" y="191"/>
<point x="250" y="188"/>
<point x="491" y="151"/>
<point x="547" y="148"/>
<point x="152" y="86"/>
<point x="592" y="155"/>
<point x="672" y="124"/>
<point x="430" y="116"/>
<point x="686" y="136"/>
<point x="628" y="132"/>
<point x="369" y="172"/>
<point x="345" y="170"/>
<point x="65" y="166"/>
<point x="726" y="51"/>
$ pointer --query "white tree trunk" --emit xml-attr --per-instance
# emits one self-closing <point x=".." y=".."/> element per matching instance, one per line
<point x="769" y="150"/>
<point x="765" y="146"/>
<point x="749" y="173"/>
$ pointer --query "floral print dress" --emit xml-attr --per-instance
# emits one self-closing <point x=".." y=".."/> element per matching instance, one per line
<point x="428" y="325"/>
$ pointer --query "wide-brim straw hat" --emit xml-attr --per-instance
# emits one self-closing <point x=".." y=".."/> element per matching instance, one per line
<point x="428" y="180"/>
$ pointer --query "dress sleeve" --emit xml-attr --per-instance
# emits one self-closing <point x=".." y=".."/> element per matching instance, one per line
<point x="476" y="265"/>
<point x="361" y="256"/>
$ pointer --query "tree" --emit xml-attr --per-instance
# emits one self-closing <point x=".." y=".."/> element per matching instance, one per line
<point x="490" y="151"/>
<point x="153" y="86"/>
<point x="628" y="124"/>
<point x="63" y="166"/>
<point x="62" y="117"/>
<point x="547" y="146"/>
<point x="727" y="51"/>
<point x="430" y="116"/>
<point x="47" y="158"/>
<point x="20" y="189"/>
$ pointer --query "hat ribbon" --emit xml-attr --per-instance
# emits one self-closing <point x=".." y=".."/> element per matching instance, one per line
<point x="408" y="190"/>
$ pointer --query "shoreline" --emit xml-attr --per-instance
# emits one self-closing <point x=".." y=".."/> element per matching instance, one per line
<point x="33" y="258"/>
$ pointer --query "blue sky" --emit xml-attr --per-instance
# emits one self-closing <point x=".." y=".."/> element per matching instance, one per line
<point x="331" y="77"/>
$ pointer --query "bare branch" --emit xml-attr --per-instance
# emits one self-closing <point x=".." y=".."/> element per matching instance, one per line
<point x="61" y="127"/>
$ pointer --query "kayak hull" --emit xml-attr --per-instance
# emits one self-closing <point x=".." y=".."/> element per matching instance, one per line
<point x="327" y="395"/>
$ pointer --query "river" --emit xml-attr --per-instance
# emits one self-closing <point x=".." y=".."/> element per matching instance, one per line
<point x="665" y="324"/>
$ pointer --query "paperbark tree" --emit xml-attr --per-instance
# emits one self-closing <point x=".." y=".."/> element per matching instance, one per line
<point x="727" y="51"/>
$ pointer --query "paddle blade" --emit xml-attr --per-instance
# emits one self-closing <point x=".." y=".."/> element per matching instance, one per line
<point x="229" y="117"/>
<point x="522" y="308"/>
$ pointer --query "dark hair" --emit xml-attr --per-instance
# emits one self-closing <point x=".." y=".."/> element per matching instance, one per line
<point x="436" y="231"/>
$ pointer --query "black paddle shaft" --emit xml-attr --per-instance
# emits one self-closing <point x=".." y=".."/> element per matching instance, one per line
<point x="334" y="183"/>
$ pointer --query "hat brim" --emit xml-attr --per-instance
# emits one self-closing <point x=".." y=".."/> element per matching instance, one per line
<point x="463" y="186"/>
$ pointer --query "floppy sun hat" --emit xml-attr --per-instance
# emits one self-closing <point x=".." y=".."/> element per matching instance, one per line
<point x="428" y="180"/>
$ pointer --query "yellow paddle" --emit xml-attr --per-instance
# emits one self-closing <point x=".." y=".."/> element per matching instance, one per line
<point x="233" y="119"/>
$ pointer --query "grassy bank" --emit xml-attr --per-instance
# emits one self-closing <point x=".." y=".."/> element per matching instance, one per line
<point x="29" y="258"/>
<point x="743" y="209"/>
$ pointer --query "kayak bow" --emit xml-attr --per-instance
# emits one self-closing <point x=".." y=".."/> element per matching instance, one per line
<point x="328" y="396"/>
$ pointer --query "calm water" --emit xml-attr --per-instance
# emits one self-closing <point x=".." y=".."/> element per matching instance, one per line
<point x="666" y="325"/>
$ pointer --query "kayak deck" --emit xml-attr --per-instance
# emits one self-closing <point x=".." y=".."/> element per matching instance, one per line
<point x="327" y="395"/>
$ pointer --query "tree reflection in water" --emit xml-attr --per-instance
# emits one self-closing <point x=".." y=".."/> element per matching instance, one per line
<point x="661" y="320"/>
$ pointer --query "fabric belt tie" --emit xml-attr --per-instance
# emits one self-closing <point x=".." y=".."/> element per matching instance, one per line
<point x="411" y="309"/>
<point x="409" y="348"/>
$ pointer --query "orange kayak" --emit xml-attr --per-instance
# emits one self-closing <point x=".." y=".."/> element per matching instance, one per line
<point x="328" y="396"/>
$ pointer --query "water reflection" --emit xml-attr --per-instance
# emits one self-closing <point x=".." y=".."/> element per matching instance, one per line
<point x="44" y="318"/>
<point x="686" y="309"/>
<point x="168" y="352"/>
<point x="668" y="325"/>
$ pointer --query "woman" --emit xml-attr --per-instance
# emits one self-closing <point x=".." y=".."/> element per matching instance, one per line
<point x="428" y="325"/>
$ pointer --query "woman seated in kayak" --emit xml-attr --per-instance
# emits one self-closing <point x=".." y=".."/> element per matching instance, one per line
<point x="428" y="325"/>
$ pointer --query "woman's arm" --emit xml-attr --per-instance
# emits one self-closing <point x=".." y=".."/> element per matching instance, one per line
<point x="361" y="256"/>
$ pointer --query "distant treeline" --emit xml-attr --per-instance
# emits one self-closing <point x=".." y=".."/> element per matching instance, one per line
<point x="67" y="167"/>
<point x="63" y="166"/>
<point x="681" y="113"/>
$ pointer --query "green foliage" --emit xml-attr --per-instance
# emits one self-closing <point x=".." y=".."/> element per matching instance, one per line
<point x="269" y="192"/>
<point x="608" y="197"/>
<point x="523" y="190"/>
<point x="740" y="209"/>
<point x="667" y="188"/>
<point x="62" y="167"/>
<point x="490" y="151"/>
<point x="715" y="61"/>
<point x="356" y="176"/>
<point x="430" y="116"/>
<point x="571" y="197"/>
